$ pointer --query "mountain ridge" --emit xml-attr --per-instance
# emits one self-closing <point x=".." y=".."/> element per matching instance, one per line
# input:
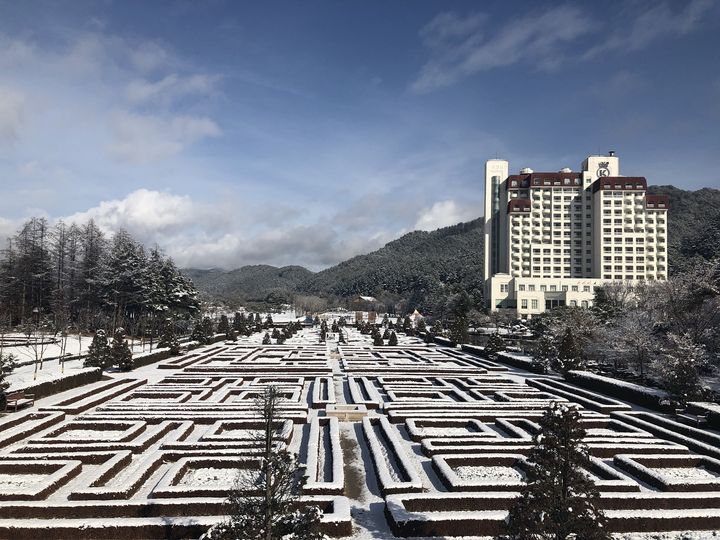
<point x="425" y="268"/>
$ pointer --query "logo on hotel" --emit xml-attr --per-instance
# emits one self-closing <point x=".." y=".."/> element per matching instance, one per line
<point x="603" y="169"/>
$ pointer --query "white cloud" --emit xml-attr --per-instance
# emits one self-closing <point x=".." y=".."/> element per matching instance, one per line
<point x="169" y="88"/>
<point x="225" y="235"/>
<point x="444" y="214"/>
<point x="143" y="212"/>
<point x="12" y="114"/>
<point x="460" y="47"/>
<point x="653" y="24"/>
<point x="141" y="138"/>
<point x="464" y="46"/>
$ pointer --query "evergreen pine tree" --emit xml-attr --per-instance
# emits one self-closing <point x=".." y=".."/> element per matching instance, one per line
<point x="406" y="324"/>
<point x="169" y="339"/>
<point x="421" y="326"/>
<point x="459" y="332"/>
<point x="231" y="335"/>
<point x="264" y="501"/>
<point x="98" y="354"/>
<point x="386" y="334"/>
<point x="494" y="345"/>
<point x="393" y="340"/>
<point x="268" y="321"/>
<point x="198" y="333"/>
<point x="207" y="328"/>
<point x="266" y="339"/>
<point x="7" y="364"/>
<point x="275" y="333"/>
<point x="569" y="356"/>
<point x="378" y="340"/>
<point x="120" y="354"/>
<point x="559" y="500"/>
<point x="545" y="353"/>
<point x="224" y="325"/>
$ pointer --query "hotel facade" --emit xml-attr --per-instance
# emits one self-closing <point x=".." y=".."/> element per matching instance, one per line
<point x="551" y="238"/>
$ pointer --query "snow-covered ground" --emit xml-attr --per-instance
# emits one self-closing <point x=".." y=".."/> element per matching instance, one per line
<point x="180" y="397"/>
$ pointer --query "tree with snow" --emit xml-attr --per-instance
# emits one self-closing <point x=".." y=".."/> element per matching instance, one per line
<point x="7" y="365"/>
<point x="264" y="503"/>
<point x="545" y="353"/>
<point x="120" y="354"/>
<point x="494" y="345"/>
<point x="169" y="339"/>
<point x="224" y="325"/>
<point x="231" y="334"/>
<point x="632" y="339"/>
<point x="199" y="334"/>
<point x="378" y="340"/>
<point x="266" y="339"/>
<point x="98" y="354"/>
<point x="393" y="340"/>
<point x="678" y="369"/>
<point x="559" y="500"/>
<point x="208" y="328"/>
<point x="459" y="333"/>
<point x="421" y="326"/>
<point x="569" y="355"/>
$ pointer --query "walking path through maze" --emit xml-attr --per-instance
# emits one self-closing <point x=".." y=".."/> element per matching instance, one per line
<point x="413" y="440"/>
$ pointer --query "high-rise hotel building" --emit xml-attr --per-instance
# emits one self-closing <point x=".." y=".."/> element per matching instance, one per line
<point x="552" y="237"/>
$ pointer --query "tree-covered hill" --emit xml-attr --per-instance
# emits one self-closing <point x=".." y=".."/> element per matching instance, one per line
<point x="693" y="223"/>
<point x="256" y="283"/>
<point x="424" y="269"/>
<point x="420" y="267"/>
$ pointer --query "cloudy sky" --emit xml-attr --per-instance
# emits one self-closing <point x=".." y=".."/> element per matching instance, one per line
<point x="234" y="133"/>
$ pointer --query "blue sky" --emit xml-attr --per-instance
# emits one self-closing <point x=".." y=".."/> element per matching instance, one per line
<point x="293" y="132"/>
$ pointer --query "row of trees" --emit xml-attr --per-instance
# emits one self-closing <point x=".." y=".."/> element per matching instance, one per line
<point x="73" y="275"/>
<point x="665" y="333"/>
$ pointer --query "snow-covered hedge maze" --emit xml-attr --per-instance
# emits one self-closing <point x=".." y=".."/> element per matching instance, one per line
<point x="418" y="439"/>
<point x="154" y="457"/>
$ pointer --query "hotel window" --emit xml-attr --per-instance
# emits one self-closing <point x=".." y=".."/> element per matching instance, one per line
<point x="573" y="303"/>
<point x="534" y="304"/>
<point x="503" y="287"/>
<point x="586" y="288"/>
<point x="521" y="287"/>
<point x="564" y="288"/>
<point x="531" y="288"/>
<point x="523" y="303"/>
<point x="585" y="303"/>
<point x="553" y="288"/>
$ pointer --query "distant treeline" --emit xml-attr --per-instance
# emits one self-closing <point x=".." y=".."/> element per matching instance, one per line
<point x="71" y="275"/>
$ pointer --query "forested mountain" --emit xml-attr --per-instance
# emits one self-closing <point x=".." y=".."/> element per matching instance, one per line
<point x="424" y="269"/>
<point x="256" y="283"/>
<point x="694" y="224"/>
